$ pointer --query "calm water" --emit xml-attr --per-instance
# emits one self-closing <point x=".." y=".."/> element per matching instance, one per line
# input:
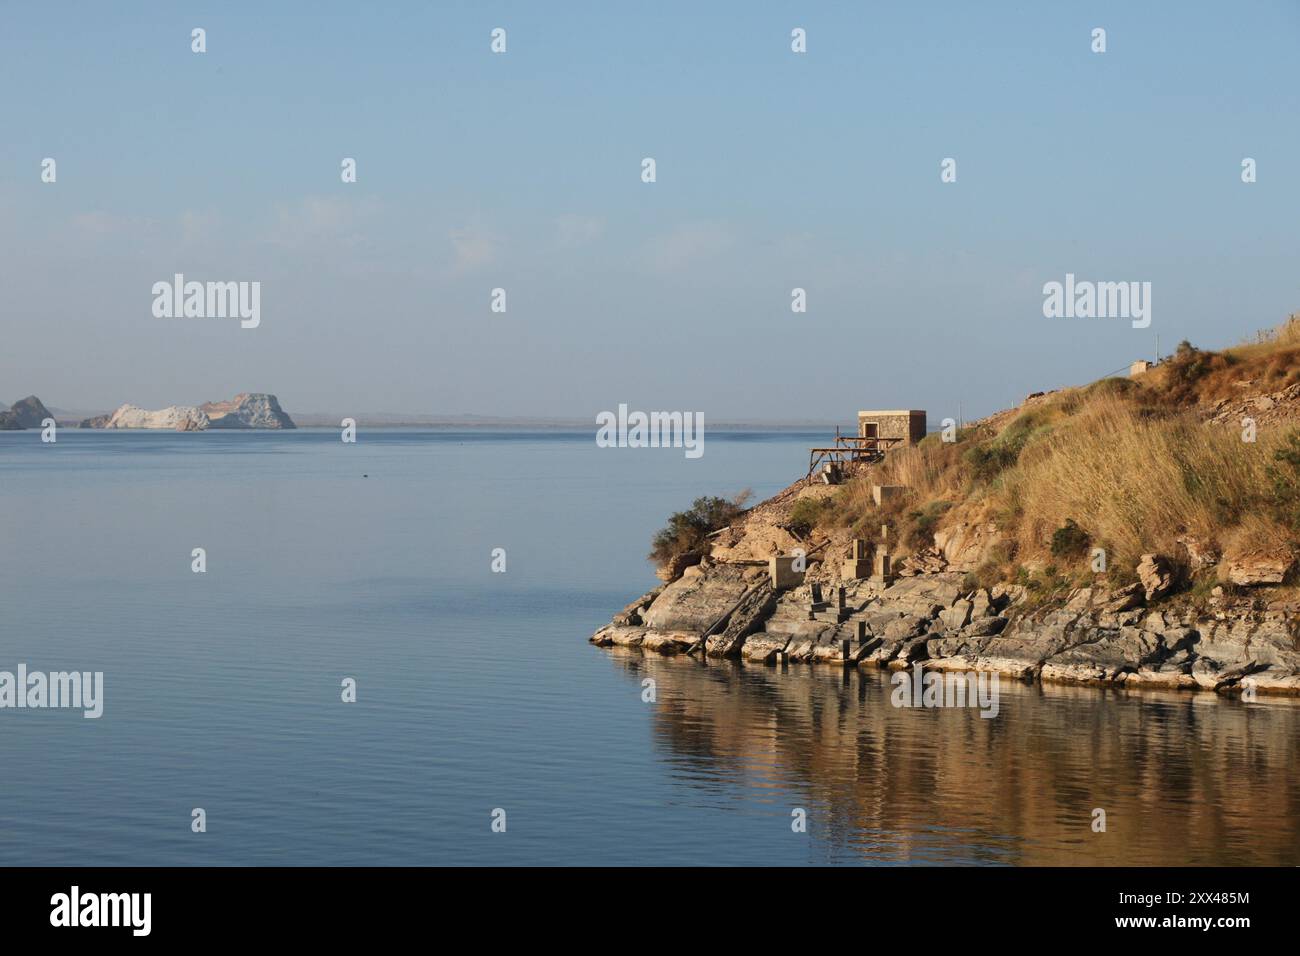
<point x="478" y="690"/>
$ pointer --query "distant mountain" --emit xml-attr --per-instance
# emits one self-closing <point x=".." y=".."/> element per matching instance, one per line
<point x="30" y="412"/>
<point x="246" y="410"/>
<point x="179" y="418"/>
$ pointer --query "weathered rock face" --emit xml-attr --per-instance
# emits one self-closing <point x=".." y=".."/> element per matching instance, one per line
<point x="712" y="608"/>
<point x="1099" y="635"/>
<point x="29" y="412"/>
<point x="675" y="566"/>
<point x="966" y="546"/>
<point x="755" y="607"/>
<point x="1258" y="568"/>
<point x="1198" y="554"/>
<point x="247" y="410"/>
<point x="1156" y="575"/>
<point x="695" y="603"/>
<point x="9" y="422"/>
<point x="631" y="616"/>
<point x="174" y="418"/>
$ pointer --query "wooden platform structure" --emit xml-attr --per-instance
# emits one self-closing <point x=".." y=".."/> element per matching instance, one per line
<point x="849" y="450"/>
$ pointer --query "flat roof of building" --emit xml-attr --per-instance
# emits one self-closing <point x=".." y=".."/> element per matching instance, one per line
<point x="894" y="411"/>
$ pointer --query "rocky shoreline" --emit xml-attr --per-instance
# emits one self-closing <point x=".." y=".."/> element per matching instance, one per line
<point x="1098" y="636"/>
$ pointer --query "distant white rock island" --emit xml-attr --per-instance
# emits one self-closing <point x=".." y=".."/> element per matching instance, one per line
<point x="246" y="410"/>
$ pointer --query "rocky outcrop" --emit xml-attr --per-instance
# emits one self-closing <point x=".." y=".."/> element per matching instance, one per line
<point x="966" y="546"/>
<point x="247" y="410"/>
<point x="711" y="607"/>
<point x="676" y="566"/>
<point x="174" y="417"/>
<point x="1156" y="574"/>
<point x="1099" y="635"/>
<point x="29" y="412"/>
<point x="1281" y="407"/>
<point x="754" y="607"/>
<point x="9" y="422"/>
<point x="1259" y="568"/>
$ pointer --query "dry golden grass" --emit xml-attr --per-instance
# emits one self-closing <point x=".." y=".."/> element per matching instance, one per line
<point x="1128" y="460"/>
<point x="1284" y="336"/>
<point x="1136" y="482"/>
<point x="931" y="469"/>
<point x="1192" y="377"/>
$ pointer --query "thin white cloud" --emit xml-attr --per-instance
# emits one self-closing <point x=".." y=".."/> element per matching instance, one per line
<point x="97" y="224"/>
<point x="471" y="250"/>
<point x="316" y="219"/>
<point x="573" y="230"/>
<point x="686" y="245"/>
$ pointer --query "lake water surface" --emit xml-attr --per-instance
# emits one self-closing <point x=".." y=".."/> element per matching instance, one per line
<point x="478" y="690"/>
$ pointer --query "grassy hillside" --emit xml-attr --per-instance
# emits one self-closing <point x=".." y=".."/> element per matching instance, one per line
<point x="1126" y="465"/>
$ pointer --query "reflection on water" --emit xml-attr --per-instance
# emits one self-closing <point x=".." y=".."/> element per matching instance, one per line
<point x="1184" y="779"/>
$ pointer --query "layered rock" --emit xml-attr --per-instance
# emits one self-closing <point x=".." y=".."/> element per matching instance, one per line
<point x="715" y="603"/>
<point x="1260" y="568"/>
<point x="1099" y="635"/>
<point x="246" y="410"/>
<point x="1156" y="574"/>
<point x="966" y="546"/>
<point x="173" y="417"/>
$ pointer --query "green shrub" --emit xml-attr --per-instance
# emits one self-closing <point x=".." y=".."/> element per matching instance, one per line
<point x="990" y="459"/>
<point x="1069" y="540"/>
<point x="686" y="531"/>
<point x="807" y="514"/>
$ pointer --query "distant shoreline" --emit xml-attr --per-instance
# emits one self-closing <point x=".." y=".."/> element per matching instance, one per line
<point x="73" y="424"/>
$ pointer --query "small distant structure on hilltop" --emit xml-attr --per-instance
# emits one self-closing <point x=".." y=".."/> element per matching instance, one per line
<point x="1139" y="367"/>
<point x="878" y="431"/>
<point x="905" y="424"/>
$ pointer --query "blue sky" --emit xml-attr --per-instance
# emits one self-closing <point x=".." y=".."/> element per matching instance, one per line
<point x="522" y="171"/>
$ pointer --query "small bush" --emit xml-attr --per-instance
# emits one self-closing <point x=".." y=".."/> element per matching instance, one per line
<point x="686" y="531"/>
<point x="990" y="459"/>
<point x="807" y="514"/>
<point x="1112" y="387"/>
<point x="1069" y="540"/>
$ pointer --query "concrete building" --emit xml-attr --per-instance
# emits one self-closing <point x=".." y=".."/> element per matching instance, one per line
<point x="878" y="432"/>
<point x="906" y="424"/>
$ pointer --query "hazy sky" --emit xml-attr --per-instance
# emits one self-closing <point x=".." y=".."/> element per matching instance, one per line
<point x="523" y="171"/>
